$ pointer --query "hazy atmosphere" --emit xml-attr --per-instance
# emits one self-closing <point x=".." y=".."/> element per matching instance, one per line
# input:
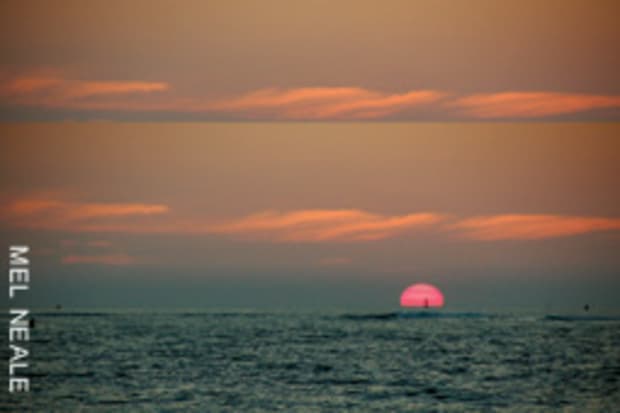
<point x="335" y="154"/>
<point x="315" y="215"/>
<point x="315" y="60"/>
<point x="311" y="206"/>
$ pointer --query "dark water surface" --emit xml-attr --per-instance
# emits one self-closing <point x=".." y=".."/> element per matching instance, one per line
<point x="299" y="362"/>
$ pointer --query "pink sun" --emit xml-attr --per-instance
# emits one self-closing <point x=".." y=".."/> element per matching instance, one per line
<point x="421" y="295"/>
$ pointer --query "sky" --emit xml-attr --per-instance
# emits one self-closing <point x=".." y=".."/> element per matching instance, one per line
<point x="315" y="155"/>
<point x="320" y="60"/>
<point x="315" y="214"/>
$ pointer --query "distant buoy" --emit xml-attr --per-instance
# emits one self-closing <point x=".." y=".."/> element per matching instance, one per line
<point x="586" y="308"/>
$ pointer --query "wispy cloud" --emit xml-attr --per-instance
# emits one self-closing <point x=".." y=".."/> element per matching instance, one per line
<point x="54" y="90"/>
<point x="60" y="214"/>
<point x="318" y="225"/>
<point x="530" y="227"/>
<point x="51" y="90"/>
<point x="304" y="225"/>
<point x="324" y="103"/>
<point x="530" y="104"/>
<point x="312" y="225"/>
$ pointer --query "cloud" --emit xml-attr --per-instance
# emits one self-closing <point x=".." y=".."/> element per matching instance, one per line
<point x="59" y="214"/>
<point x="530" y="104"/>
<point x="321" y="103"/>
<point x="318" y="225"/>
<point x="54" y="90"/>
<point x="312" y="225"/>
<point x="305" y="225"/>
<point x="530" y="227"/>
<point x="51" y="90"/>
<point x="112" y="259"/>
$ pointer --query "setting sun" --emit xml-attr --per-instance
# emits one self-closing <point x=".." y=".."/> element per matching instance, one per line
<point x="421" y="295"/>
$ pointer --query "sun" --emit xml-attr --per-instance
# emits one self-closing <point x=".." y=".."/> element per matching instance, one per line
<point x="422" y="295"/>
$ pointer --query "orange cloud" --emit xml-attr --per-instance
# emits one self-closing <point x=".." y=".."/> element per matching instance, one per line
<point x="324" y="225"/>
<point x="51" y="89"/>
<point x="83" y="89"/>
<point x="59" y="214"/>
<point x="113" y="259"/>
<point x="530" y="104"/>
<point x="324" y="103"/>
<point x="531" y="227"/>
<point x="54" y="91"/>
<point x="310" y="225"/>
<point x="29" y="84"/>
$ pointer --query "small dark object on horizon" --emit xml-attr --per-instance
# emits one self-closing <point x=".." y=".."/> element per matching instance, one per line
<point x="586" y="308"/>
<point x="58" y="307"/>
<point x="31" y="323"/>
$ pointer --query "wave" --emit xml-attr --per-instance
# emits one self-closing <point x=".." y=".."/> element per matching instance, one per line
<point x="413" y="315"/>
<point x="379" y="316"/>
<point x="375" y="316"/>
<point x="552" y="317"/>
<point x="71" y="314"/>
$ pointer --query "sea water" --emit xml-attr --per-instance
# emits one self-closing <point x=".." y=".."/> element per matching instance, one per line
<point x="247" y="361"/>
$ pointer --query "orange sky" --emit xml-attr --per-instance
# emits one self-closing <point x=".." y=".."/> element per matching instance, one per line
<point x="394" y="60"/>
<point x="376" y="139"/>
<point x="464" y="205"/>
<point x="313" y="183"/>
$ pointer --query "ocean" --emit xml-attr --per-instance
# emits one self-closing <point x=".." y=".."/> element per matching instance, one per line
<point x="251" y="361"/>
